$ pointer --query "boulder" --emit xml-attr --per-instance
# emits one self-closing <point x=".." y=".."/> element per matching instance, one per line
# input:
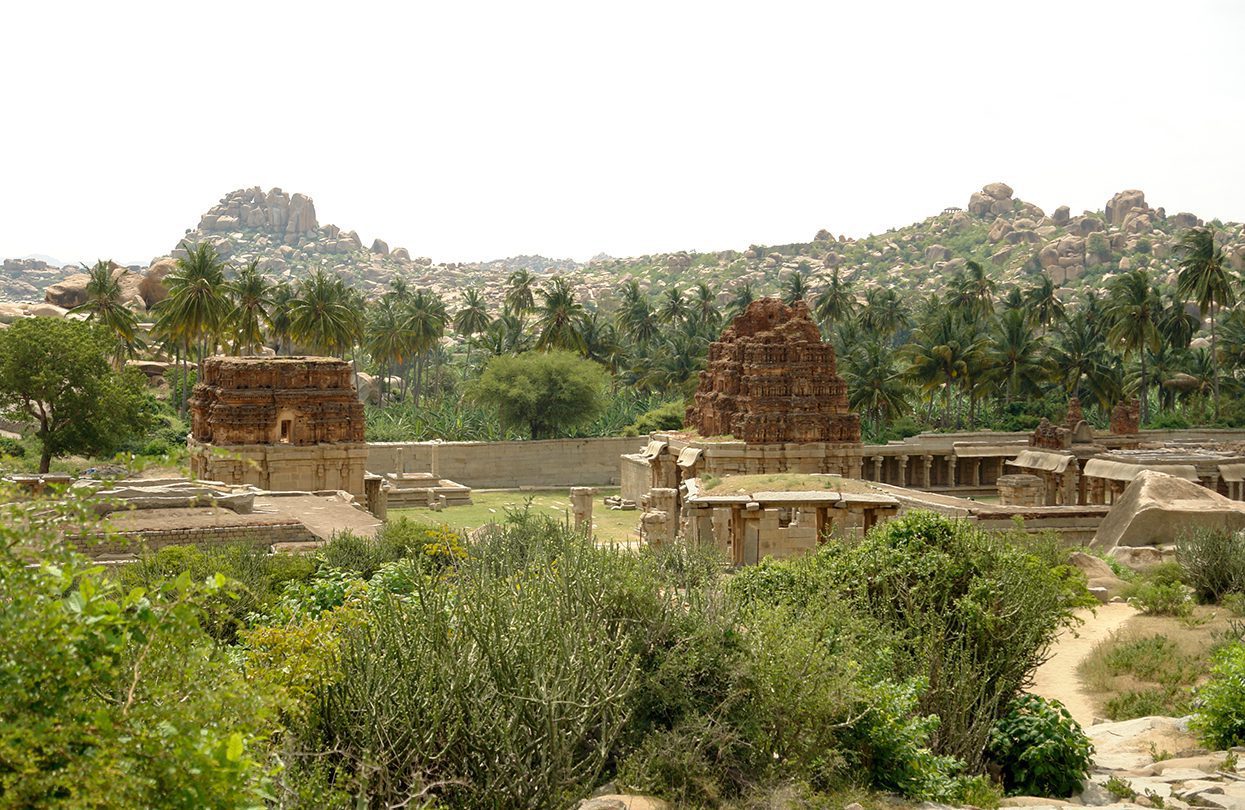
<point x="937" y="253"/>
<point x="1185" y="220"/>
<point x="401" y="253"/>
<point x="369" y="390"/>
<point x="47" y="311"/>
<point x="1123" y="202"/>
<point x="999" y="229"/>
<point x="1157" y="508"/>
<point x="10" y="312"/>
<point x="1130" y="744"/>
<point x="379" y="246"/>
<point x="1061" y="216"/>
<point x="302" y="215"/>
<point x="998" y="191"/>
<point x="68" y="293"/>
<point x="979" y="204"/>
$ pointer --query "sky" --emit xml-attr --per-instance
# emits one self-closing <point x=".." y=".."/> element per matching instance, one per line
<point x="470" y="130"/>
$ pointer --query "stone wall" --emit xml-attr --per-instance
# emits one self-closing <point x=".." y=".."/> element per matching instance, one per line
<point x="282" y="468"/>
<point x="499" y="465"/>
<point x="152" y="539"/>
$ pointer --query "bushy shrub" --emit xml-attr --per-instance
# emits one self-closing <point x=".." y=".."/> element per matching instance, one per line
<point x="12" y="448"/>
<point x="1161" y="598"/>
<point x="1220" y="717"/>
<point x="667" y="416"/>
<point x="1213" y="561"/>
<point x="971" y="613"/>
<point x="1040" y="749"/>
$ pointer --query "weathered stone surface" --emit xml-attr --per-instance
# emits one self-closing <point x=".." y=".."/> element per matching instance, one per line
<point x="771" y="379"/>
<point x="1156" y="508"/>
<point x="1126" y="417"/>
<point x="280" y="400"/>
<point x="152" y="287"/>
<point x="69" y="293"/>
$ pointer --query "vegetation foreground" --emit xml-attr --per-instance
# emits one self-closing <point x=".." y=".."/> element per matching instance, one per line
<point x="524" y="669"/>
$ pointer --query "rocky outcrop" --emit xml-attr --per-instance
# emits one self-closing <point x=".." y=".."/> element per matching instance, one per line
<point x="770" y="379"/>
<point x="1122" y="203"/>
<point x="994" y="198"/>
<point x="69" y="293"/>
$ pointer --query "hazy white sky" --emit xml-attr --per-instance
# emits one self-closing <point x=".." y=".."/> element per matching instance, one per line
<point x="470" y="130"/>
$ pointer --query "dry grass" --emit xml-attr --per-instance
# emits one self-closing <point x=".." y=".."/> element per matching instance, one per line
<point x="1152" y="663"/>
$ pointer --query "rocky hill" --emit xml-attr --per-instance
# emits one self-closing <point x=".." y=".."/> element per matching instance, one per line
<point x="1012" y="238"/>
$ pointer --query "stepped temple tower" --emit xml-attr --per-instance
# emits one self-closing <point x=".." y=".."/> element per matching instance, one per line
<point x="770" y="379"/>
<point x="279" y="423"/>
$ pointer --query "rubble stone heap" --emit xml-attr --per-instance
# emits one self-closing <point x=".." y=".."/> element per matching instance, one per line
<point x="770" y="379"/>
<point x="276" y="400"/>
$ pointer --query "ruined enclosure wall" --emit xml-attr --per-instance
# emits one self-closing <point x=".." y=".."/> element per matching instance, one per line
<point x="485" y="465"/>
<point x="246" y="400"/>
<point x="770" y="379"/>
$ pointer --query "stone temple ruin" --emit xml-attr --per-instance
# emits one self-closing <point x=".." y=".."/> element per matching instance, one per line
<point x="770" y="379"/>
<point x="278" y="423"/>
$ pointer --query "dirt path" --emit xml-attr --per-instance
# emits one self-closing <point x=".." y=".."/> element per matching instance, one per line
<point x="1057" y="678"/>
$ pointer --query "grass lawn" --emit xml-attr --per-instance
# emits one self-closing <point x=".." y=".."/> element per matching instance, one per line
<point x="610" y="526"/>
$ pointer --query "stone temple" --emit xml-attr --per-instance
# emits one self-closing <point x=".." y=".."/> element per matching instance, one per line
<point x="770" y="379"/>
<point x="279" y="423"/>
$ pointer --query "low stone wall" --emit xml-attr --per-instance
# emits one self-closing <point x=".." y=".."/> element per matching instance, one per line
<point x="496" y="465"/>
<point x="150" y="540"/>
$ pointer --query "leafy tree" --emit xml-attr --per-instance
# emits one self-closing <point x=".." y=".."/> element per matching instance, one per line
<point x="875" y="384"/>
<point x="1204" y="279"/>
<point x="520" y="292"/>
<point x="56" y="373"/>
<point x="704" y="308"/>
<point x="472" y="317"/>
<point x="884" y="313"/>
<point x="1015" y="357"/>
<point x="836" y="302"/>
<point x="673" y="306"/>
<point x="321" y="316"/>
<point x="795" y="288"/>
<point x="550" y="392"/>
<point x="1042" y="300"/>
<point x="743" y="296"/>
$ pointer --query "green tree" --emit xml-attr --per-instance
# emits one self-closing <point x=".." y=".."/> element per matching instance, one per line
<point x="520" y="295"/>
<point x="472" y="317"/>
<point x="549" y="392"/>
<point x="197" y="305"/>
<point x="321" y="316"/>
<point x="795" y="288"/>
<point x="1015" y="358"/>
<point x="875" y="384"/>
<point x="836" y="302"/>
<point x="560" y="317"/>
<point x="1042" y="300"/>
<point x="56" y="373"/>
<point x="1133" y="310"/>
<point x="251" y="296"/>
<point x="1205" y="280"/>
<point x="104" y="305"/>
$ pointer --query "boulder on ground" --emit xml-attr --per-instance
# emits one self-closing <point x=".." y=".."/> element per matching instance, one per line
<point x="1123" y="202"/>
<point x="1157" y="508"/>
<point x="152" y="287"/>
<point x="68" y="293"/>
<point x="10" y="312"/>
<point x="47" y="311"/>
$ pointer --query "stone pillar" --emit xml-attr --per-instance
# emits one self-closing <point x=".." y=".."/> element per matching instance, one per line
<point x="927" y="462"/>
<point x="751" y="546"/>
<point x="877" y="468"/>
<point x="974" y="472"/>
<point x="903" y="470"/>
<point x="1020" y="489"/>
<point x="700" y="525"/>
<point x="1071" y="485"/>
<point x="951" y="470"/>
<point x="581" y="508"/>
<point x="722" y="529"/>
<point x="375" y="496"/>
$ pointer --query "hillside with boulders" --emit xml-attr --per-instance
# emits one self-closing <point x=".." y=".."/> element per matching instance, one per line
<point x="1013" y="239"/>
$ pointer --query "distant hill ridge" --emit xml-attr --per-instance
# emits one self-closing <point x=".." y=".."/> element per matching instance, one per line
<point x="1012" y="238"/>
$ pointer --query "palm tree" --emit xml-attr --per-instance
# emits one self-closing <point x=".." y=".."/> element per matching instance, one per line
<point x="1083" y="365"/>
<point x="1176" y="325"/>
<point x="197" y="304"/>
<point x="386" y="337"/>
<point x="104" y="305"/>
<point x="740" y="300"/>
<point x="939" y="358"/>
<point x="835" y="303"/>
<point x="251" y="296"/>
<point x="673" y="307"/>
<point x="635" y="317"/>
<point x="1133" y="310"/>
<point x="600" y="340"/>
<point x="876" y="385"/>
<point x="884" y="313"/>
<point x="795" y="288"/>
<point x="1043" y="302"/>
<point x="980" y="289"/>
<point x="321" y="317"/>
<point x="704" y="309"/>
<point x="425" y="317"/>
<point x="1016" y="358"/>
<point x="279" y="317"/>
<point x="1204" y="280"/>
<point x="560" y="317"/>
<point x="472" y="317"/>
<point x="520" y="292"/>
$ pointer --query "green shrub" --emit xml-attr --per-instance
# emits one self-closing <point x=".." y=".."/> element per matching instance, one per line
<point x="1040" y="749"/>
<point x="1167" y="701"/>
<point x="1161" y="598"/>
<point x="1213" y="562"/>
<point x="1220" y="717"/>
<point x="12" y="448"/>
<point x="667" y="416"/>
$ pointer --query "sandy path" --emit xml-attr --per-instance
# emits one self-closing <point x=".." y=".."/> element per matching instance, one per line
<point x="1057" y="678"/>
